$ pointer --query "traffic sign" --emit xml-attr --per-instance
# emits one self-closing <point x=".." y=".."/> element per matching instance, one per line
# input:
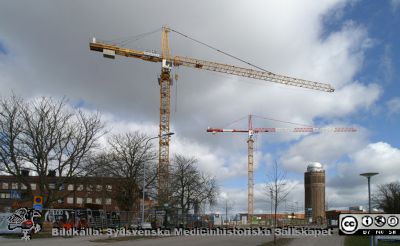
<point x="38" y="202"/>
<point x="38" y="207"/>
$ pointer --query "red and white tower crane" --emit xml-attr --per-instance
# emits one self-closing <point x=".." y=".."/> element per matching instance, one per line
<point x="250" y="149"/>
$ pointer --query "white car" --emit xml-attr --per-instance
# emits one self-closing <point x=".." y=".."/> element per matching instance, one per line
<point x="146" y="225"/>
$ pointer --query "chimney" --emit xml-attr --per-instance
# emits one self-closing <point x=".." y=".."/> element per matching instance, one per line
<point x="25" y="173"/>
<point x="52" y="173"/>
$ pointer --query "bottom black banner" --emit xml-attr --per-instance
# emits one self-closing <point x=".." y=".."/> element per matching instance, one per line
<point x="363" y="232"/>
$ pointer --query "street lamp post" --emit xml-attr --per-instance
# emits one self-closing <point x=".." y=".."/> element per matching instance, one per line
<point x="144" y="172"/>
<point x="272" y="194"/>
<point x="368" y="176"/>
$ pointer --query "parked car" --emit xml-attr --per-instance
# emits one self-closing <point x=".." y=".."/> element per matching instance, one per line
<point x="146" y="225"/>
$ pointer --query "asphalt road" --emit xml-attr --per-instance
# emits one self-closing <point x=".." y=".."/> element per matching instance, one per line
<point x="167" y="241"/>
<point x="332" y="240"/>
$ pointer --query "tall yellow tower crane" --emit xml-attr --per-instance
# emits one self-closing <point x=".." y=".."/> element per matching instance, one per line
<point x="167" y="62"/>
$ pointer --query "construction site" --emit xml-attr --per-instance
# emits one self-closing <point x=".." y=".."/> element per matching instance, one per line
<point x="156" y="211"/>
<point x="258" y="119"/>
<point x="168" y="62"/>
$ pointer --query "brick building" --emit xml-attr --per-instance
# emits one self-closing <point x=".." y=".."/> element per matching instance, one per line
<point x="78" y="192"/>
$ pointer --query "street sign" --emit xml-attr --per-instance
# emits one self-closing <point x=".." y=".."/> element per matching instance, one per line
<point x="15" y="194"/>
<point x="38" y="207"/>
<point x="38" y="203"/>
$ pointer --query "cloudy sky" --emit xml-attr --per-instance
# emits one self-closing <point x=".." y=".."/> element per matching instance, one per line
<point x="351" y="44"/>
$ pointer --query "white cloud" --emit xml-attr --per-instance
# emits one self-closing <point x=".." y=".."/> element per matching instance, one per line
<point x="237" y="198"/>
<point x="325" y="147"/>
<point x="344" y="185"/>
<point x="393" y="105"/>
<point x="294" y="44"/>
<point x="51" y="57"/>
<point x="216" y="162"/>
<point x="380" y="157"/>
<point x="386" y="64"/>
<point x="348" y="188"/>
<point x="345" y="156"/>
<point x="395" y="4"/>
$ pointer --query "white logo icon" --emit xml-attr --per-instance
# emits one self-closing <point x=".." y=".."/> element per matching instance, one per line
<point x="349" y="224"/>
<point x="392" y="221"/>
<point x="367" y="221"/>
<point x="380" y="221"/>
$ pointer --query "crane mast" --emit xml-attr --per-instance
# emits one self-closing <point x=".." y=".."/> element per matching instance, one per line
<point x="250" y="170"/>
<point x="165" y="102"/>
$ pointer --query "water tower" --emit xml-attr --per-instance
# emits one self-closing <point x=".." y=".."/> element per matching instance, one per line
<point x="314" y="187"/>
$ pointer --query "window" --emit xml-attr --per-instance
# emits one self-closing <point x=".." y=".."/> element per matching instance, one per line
<point x="99" y="187"/>
<point x="79" y="188"/>
<point x="89" y="200"/>
<point x="70" y="187"/>
<point x="5" y="186"/>
<point x="89" y="187"/>
<point x="23" y="187"/>
<point x="108" y="201"/>
<point x="33" y="186"/>
<point x="109" y="187"/>
<point x="62" y="187"/>
<point x="14" y="186"/>
<point x="52" y="186"/>
<point x="60" y="201"/>
<point x="70" y="200"/>
<point x="79" y="200"/>
<point x="98" y="200"/>
<point x="5" y="195"/>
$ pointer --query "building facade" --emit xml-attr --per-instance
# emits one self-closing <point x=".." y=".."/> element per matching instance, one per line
<point x="78" y="192"/>
<point x="314" y="195"/>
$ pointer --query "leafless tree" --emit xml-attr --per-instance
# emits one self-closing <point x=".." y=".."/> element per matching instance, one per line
<point x="190" y="186"/>
<point x="45" y="135"/>
<point x="387" y="197"/>
<point x="11" y="130"/>
<point x="277" y="188"/>
<point x="126" y="156"/>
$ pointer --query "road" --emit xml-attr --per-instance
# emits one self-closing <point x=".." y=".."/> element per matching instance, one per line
<point x="167" y="241"/>
<point x="332" y="240"/>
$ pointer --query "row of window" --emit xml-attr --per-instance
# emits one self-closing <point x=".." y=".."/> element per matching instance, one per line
<point x="70" y="187"/>
<point x="70" y="200"/>
<point x="5" y="195"/>
<point x="79" y="200"/>
<point x="14" y="186"/>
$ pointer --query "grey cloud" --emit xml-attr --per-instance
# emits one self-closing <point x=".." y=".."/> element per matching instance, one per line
<point x="49" y="55"/>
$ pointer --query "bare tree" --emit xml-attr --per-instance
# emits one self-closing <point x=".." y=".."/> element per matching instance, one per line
<point x="126" y="157"/>
<point x="388" y="197"/>
<point x="11" y="131"/>
<point x="45" y="135"/>
<point x="277" y="188"/>
<point x="189" y="186"/>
